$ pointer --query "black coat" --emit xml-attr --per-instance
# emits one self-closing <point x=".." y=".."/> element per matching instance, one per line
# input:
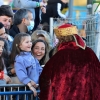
<point x="51" y="11"/>
<point x="14" y="31"/>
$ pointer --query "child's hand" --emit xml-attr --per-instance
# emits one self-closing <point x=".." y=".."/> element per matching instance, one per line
<point x="33" y="84"/>
<point x="34" y="90"/>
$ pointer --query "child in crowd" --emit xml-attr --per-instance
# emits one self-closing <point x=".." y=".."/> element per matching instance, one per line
<point x="39" y="50"/>
<point x="3" y="72"/>
<point x="26" y="66"/>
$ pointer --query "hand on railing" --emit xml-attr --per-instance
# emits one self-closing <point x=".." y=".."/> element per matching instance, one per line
<point x="34" y="84"/>
<point x="34" y="90"/>
<point x="7" y="78"/>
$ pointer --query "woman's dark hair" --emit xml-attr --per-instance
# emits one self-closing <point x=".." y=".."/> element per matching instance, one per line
<point x="42" y="61"/>
<point x="1" y="59"/>
<point x="15" y="47"/>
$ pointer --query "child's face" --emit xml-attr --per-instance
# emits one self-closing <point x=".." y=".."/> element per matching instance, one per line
<point x="3" y="33"/>
<point x="26" y="44"/>
<point x="1" y="47"/>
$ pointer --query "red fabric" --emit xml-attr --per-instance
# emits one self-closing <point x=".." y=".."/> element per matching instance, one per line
<point x="65" y="26"/>
<point x="79" y="41"/>
<point x="65" y="45"/>
<point x="71" y="74"/>
<point x="1" y="75"/>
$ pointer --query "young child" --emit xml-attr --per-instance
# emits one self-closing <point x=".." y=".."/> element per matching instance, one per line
<point x="3" y="72"/>
<point x="26" y="66"/>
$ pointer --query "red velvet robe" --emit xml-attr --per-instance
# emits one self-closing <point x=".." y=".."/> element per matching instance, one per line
<point x="71" y="74"/>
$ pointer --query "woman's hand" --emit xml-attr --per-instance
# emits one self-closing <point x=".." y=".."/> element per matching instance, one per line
<point x="7" y="78"/>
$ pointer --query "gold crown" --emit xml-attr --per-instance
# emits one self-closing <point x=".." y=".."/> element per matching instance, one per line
<point x="65" y="31"/>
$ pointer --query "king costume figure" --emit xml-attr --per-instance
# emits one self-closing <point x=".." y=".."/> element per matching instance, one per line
<point x="73" y="73"/>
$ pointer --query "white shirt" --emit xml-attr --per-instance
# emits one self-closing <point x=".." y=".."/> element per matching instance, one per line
<point x="59" y="11"/>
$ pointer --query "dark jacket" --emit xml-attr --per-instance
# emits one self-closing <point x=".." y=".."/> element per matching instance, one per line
<point x="51" y="11"/>
<point x="14" y="31"/>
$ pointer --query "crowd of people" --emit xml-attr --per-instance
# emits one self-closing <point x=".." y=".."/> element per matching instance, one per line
<point x="67" y="71"/>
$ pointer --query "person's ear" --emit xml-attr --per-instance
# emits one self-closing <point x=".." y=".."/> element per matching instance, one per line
<point x="24" y="21"/>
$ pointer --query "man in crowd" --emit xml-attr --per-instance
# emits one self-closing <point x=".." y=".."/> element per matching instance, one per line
<point x="6" y="16"/>
<point x="23" y="22"/>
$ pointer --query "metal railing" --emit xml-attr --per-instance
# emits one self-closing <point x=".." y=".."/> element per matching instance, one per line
<point x="16" y="92"/>
<point x="90" y="27"/>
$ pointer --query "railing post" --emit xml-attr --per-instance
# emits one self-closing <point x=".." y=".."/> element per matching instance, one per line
<point x="89" y="6"/>
<point x="51" y="29"/>
<point x="70" y="9"/>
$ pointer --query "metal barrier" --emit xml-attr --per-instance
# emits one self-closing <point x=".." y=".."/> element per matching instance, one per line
<point x="89" y="24"/>
<point x="16" y="92"/>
